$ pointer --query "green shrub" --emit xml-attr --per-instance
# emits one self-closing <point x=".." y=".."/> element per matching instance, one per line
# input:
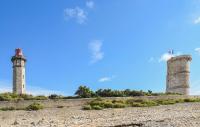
<point x="35" y="106"/>
<point x="108" y="104"/>
<point x="87" y="107"/>
<point x="55" y="96"/>
<point x="84" y="92"/>
<point x="97" y="107"/>
<point x="8" y="108"/>
<point x="136" y="104"/>
<point x="119" y="105"/>
<point x="118" y="101"/>
<point x="6" y="97"/>
<point x="166" y="102"/>
<point x="41" y="97"/>
<point x="191" y="100"/>
<point x="95" y="102"/>
<point x="60" y="106"/>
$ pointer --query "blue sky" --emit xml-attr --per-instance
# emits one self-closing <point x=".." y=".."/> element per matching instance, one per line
<point x="114" y="44"/>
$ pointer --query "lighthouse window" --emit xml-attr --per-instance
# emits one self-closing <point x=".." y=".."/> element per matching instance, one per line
<point x="18" y="62"/>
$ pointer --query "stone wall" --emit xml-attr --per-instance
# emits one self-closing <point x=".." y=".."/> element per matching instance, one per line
<point x="178" y="74"/>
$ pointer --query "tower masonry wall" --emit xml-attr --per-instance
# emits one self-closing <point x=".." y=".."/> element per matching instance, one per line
<point x="19" y="80"/>
<point x="178" y="74"/>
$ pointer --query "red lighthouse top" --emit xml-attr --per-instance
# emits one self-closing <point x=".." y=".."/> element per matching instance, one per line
<point x="18" y="52"/>
<point x="18" y="55"/>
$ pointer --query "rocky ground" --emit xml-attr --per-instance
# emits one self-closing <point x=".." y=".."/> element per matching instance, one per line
<point x="178" y="115"/>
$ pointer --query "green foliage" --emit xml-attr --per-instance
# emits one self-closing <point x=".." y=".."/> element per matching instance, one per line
<point x="191" y="100"/>
<point x="15" y="97"/>
<point x="35" y="106"/>
<point x="84" y="92"/>
<point x="99" y="103"/>
<point x="107" y="103"/>
<point x="166" y="101"/>
<point x="141" y="103"/>
<point x="60" y="106"/>
<point x="97" y="107"/>
<point x="8" y="108"/>
<point x="119" y="105"/>
<point x="55" y="96"/>
<point x="41" y="97"/>
<point x="87" y="107"/>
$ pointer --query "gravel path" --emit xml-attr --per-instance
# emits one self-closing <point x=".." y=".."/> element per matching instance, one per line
<point x="178" y="115"/>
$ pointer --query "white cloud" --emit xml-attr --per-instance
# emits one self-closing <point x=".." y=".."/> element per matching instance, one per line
<point x="90" y="4"/>
<point x="152" y="59"/>
<point x="197" y="20"/>
<point x="165" y="57"/>
<point x="197" y="50"/>
<point x="106" y="79"/>
<point x="95" y="48"/>
<point x="76" y="13"/>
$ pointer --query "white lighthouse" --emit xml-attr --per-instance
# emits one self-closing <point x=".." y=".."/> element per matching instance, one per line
<point x="19" y="83"/>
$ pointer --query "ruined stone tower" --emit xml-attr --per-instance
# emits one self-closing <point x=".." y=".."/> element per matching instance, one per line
<point x="178" y="74"/>
<point x="19" y="61"/>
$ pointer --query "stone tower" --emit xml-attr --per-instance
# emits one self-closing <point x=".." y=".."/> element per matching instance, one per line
<point x="178" y="74"/>
<point x="19" y="84"/>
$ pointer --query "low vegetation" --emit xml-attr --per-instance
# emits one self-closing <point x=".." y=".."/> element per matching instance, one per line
<point x="99" y="103"/>
<point x="35" y="106"/>
<point x="86" y="92"/>
<point x="31" y="107"/>
<point x="15" y="97"/>
<point x="82" y="92"/>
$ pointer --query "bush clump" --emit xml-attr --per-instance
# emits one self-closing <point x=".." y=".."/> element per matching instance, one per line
<point x="99" y="103"/>
<point x="97" y="107"/>
<point x="35" y="106"/>
<point x="87" y="107"/>
<point x="8" y="108"/>
<point x="16" y="97"/>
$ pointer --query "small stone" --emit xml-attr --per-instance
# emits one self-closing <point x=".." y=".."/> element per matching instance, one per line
<point x="15" y="123"/>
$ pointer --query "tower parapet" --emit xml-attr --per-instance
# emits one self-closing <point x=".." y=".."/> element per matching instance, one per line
<point x="178" y="74"/>
<point x="19" y="62"/>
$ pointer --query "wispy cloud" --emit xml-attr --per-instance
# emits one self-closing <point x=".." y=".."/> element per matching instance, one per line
<point x="76" y="13"/>
<point x="95" y="47"/>
<point x="90" y="4"/>
<point x="106" y="79"/>
<point x="197" y="50"/>
<point x="197" y="20"/>
<point x="152" y="59"/>
<point x="165" y="57"/>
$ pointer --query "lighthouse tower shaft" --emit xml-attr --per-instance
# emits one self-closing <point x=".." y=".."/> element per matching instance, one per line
<point x="19" y="82"/>
<point x="178" y="74"/>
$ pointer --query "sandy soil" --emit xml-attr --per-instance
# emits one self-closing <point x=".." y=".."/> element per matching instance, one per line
<point x="179" y="115"/>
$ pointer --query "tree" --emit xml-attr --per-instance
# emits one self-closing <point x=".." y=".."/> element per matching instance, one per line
<point x="84" y="92"/>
